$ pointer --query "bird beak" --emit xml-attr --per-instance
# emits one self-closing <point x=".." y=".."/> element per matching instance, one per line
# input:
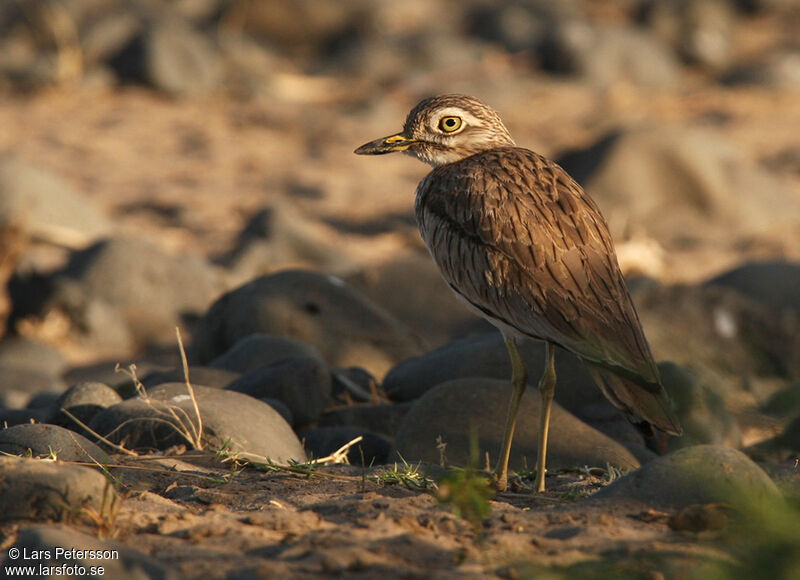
<point x="398" y="142"/>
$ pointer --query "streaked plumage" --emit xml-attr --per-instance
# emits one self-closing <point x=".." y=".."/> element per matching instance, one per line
<point x="520" y="242"/>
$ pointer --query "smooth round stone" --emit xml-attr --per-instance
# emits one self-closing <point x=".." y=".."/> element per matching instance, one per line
<point x="302" y="383"/>
<point x="83" y="401"/>
<point x="42" y="440"/>
<point x="455" y="408"/>
<point x="695" y="475"/>
<point x="33" y="489"/>
<point x="383" y="419"/>
<point x="230" y="420"/>
<point x="206" y="376"/>
<point x="21" y="352"/>
<point x="775" y="284"/>
<point x="261" y="350"/>
<point x="321" y="310"/>
<point x="18" y="385"/>
<point x="323" y="441"/>
<point x="129" y="564"/>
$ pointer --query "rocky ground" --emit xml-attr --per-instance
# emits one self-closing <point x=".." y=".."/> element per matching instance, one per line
<point x="189" y="164"/>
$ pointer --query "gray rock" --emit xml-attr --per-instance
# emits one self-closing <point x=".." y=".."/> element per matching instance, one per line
<point x="50" y="208"/>
<point x="486" y="356"/>
<point x="323" y="441"/>
<point x="303" y="384"/>
<point x="41" y="440"/>
<point x="680" y="184"/>
<point x="32" y="489"/>
<point x="83" y="401"/>
<point x="21" y="352"/>
<point x="123" y="563"/>
<point x="453" y="409"/>
<point x="151" y="289"/>
<point x="348" y="329"/>
<point x="413" y="291"/>
<point x="695" y="475"/>
<point x="18" y="385"/>
<point x="775" y="284"/>
<point x="179" y="60"/>
<point x="382" y="419"/>
<point x="230" y="420"/>
<point x="11" y="417"/>
<point x="207" y="376"/>
<point x="606" y="55"/>
<point x="701" y="32"/>
<point x="353" y="384"/>
<point x="259" y="350"/>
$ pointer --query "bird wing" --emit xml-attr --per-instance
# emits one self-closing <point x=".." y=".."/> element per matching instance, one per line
<point x="517" y="238"/>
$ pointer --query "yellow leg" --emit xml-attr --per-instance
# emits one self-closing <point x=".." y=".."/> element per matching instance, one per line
<point x="519" y="379"/>
<point x="547" y="387"/>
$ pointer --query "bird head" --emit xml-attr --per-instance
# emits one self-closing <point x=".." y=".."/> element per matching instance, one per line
<point x="445" y="129"/>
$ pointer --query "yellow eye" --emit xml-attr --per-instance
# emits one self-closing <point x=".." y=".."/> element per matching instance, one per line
<point x="450" y="124"/>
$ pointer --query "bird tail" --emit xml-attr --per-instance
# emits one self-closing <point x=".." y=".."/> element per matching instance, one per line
<point x="638" y="399"/>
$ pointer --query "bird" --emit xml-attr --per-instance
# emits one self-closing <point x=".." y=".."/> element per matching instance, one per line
<point x="522" y="244"/>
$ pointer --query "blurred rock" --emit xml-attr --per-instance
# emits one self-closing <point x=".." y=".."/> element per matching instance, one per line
<point x="701" y="32"/>
<point x="13" y="242"/>
<point x="303" y="384"/>
<point x="150" y="289"/>
<point x="413" y="291"/>
<point x="701" y="410"/>
<point x="39" y="440"/>
<point x="83" y="401"/>
<point x="47" y="207"/>
<point x="26" y="353"/>
<point x="774" y="284"/>
<point x="48" y="539"/>
<point x="681" y="185"/>
<point x="715" y="331"/>
<point x="278" y="237"/>
<point x="18" y="385"/>
<point x="231" y="421"/>
<point x="354" y="384"/>
<point x="46" y="491"/>
<point x="259" y="350"/>
<point x="453" y="409"/>
<point x="779" y="70"/>
<point x="606" y="55"/>
<point x="348" y="329"/>
<point x="11" y="417"/>
<point x="324" y="441"/>
<point x="695" y="475"/>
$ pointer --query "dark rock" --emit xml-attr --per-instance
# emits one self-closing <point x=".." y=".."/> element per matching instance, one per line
<point x="681" y="185"/>
<point x="11" y="417"/>
<point x="321" y="310"/>
<point x="779" y="70"/>
<point x="43" y="400"/>
<point x="83" y="401"/>
<point x="353" y="384"/>
<point x="302" y="383"/>
<point x="381" y="419"/>
<point x="21" y="352"/>
<point x="207" y="376"/>
<point x="33" y="489"/>
<point x="259" y="350"/>
<point x="774" y="284"/>
<point x="454" y="409"/>
<point x="413" y="291"/>
<point x="128" y="564"/>
<point x="323" y="441"/>
<point x="151" y="289"/>
<point x="282" y="408"/>
<point x="50" y="209"/>
<point x="715" y="333"/>
<point x="695" y="475"/>
<point x="701" y="410"/>
<point x="236" y="422"/>
<point x="41" y="440"/>
<point x="18" y="385"/>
